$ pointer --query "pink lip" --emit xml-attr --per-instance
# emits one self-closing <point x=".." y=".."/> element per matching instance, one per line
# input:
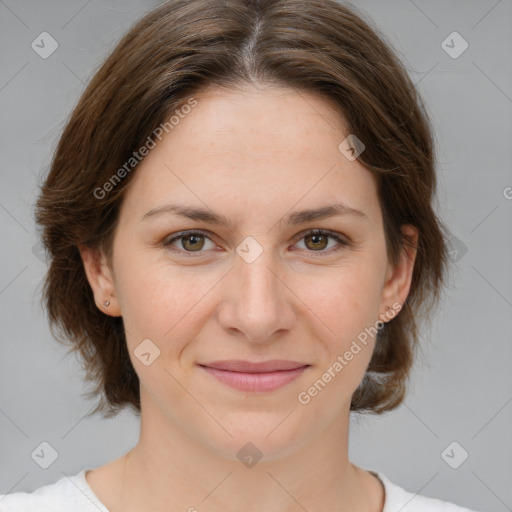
<point x="246" y="376"/>
<point x="239" y="365"/>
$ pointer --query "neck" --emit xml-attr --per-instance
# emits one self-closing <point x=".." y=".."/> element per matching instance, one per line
<point x="169" y="469"/>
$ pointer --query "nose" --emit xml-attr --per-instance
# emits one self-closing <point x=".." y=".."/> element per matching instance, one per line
<point x="257" y="304"/>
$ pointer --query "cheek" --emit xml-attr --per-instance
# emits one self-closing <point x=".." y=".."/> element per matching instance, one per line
<point x="347" y="298"/>
<point x="348" y="305"/>
<point x="165" y="311"/>
<point x="162" y="303"/>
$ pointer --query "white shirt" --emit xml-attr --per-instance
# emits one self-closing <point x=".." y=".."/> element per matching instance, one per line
<point x="73" y="494"/>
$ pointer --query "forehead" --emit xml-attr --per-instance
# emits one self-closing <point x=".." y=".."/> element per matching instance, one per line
<point x="273" y="118"/>
<point x="254" y="149"/>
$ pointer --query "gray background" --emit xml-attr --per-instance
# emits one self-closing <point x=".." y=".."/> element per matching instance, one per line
<point x="462" y="386"/>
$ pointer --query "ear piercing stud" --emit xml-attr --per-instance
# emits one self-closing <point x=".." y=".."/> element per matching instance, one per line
<point x="107" y="303"/>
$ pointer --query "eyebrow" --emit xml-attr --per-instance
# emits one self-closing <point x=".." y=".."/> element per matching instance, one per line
<point x="294" y="218"/>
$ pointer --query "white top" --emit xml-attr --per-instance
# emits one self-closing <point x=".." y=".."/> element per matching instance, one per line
<point x="73" y="494"/>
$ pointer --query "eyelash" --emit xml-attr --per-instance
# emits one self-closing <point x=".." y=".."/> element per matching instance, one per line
<point x="343" y="243"/>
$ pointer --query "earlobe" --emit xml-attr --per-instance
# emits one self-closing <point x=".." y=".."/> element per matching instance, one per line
<point x="399" y="276"/>
<point x="100" y="279"/>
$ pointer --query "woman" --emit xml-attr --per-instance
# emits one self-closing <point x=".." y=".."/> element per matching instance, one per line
<point x="238" y="215"/>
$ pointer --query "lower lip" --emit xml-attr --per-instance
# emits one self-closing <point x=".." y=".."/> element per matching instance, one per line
<point x="268" y="381"/>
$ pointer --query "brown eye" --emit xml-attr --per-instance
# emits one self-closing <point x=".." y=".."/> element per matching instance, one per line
<point x="189" y="243"/>
<point x="316" y="242"/>
<point x="322" y="242"/>
<point x="192" y="242"/>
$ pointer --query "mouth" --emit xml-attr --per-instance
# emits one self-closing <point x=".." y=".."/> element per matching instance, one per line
<point x="255" y="377"/>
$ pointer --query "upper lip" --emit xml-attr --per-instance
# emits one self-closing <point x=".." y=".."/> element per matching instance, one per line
<point x="237" y="365"/>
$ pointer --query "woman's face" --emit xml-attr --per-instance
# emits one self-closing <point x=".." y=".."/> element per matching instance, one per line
<point x="262" y="288"/>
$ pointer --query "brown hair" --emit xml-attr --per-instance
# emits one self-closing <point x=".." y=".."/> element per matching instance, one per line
<point x="182" y="46"/>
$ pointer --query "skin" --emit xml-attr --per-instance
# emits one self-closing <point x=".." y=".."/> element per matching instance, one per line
<point x="254" y="155"/>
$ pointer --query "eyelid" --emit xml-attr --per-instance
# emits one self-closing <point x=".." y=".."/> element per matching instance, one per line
<point x="167" y="242"/>
<point x="327" y="232"/>
<point x="342" y="241"/>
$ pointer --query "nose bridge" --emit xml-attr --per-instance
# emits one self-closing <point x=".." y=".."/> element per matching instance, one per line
<point x="256" y="259"/>
<point x="259" y="306"/>
<point x="259" y="283"/>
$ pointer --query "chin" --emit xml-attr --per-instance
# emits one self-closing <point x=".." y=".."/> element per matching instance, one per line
<point x="260" y="436"/>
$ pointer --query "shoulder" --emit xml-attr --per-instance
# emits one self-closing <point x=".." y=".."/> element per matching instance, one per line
<point x="398" y="499"/>
<point x="68" y="493"/>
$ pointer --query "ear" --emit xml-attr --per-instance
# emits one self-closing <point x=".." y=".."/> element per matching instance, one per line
<point x="398" y="278"/>
<point x="101" y="279"/>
